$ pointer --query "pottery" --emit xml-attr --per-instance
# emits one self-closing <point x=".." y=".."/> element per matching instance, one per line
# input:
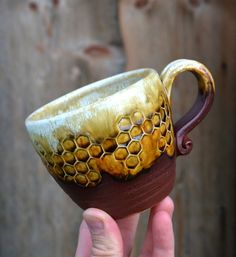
<point x="112" y="144"/>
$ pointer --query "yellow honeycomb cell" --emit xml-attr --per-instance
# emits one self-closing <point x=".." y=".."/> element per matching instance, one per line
<point x="156" y="135"/>
<point x="137" y="142"/>
<point x="168" y="123"/>
<point x="137" y="118"/>
<point x="147" y="126"/>
<point x="83" y="141"/>
<point x="69" y="157"/>
<point x="81" y="179"/>
<point x="156" y="119"/>
<point x="162" y="114"/>
<point x="82" y="155"/>
<point x="123" y="138"/>
<point x="69" y="170"/>
<point x="81" y="167"/>
<point x="132" y="161"/>
<point x="170" y="150"/>
<point x="134" y="147"/>
<point x="121" y="153"/>
<point x="168" y="137"/>
<point x="58" y="160"/>
<point x="69" y="179"/>
<point x="163" y="129"/>
<point x="162" y="144"/>
<point x="96" y="150"/>
<point x="109" y="145"/>
<point x="59" y="171"/>
<point x="136" y="132"/>
<point x="125" y="124"/>
<point x="92" y="163"/>
<point x="93" y="176"/>
<point x="69" y="145"/>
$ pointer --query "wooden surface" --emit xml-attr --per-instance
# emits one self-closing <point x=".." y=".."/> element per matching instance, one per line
<point x="48" y="48"/>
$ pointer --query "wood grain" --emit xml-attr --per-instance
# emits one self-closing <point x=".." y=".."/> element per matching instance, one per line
<point x="156" y="33"/>
<point x="48" y="48"/>
<point x="46" y="51"/>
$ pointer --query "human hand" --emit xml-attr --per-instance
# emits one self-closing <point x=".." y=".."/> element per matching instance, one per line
<point x="100" y="235"/>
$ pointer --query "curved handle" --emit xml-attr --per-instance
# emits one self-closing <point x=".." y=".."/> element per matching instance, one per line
<point x="201" y="106"/>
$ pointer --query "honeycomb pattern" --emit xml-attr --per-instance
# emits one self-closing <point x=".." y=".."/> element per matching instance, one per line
<point x="139" y="141"/>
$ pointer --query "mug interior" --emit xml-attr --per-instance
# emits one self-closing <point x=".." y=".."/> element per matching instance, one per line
<point x="89" y="94"/>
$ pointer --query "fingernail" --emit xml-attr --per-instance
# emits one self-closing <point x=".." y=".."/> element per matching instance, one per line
<point x="94" y="223"/>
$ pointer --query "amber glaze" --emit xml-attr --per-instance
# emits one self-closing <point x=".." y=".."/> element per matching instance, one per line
<point x="112" y="144"/>
<point x="138" y="141"/>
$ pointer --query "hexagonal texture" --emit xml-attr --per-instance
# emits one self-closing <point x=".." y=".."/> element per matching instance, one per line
<point x="148" y="126"/>
<point x="162" y="114"/>
<point x="156" y="119"/>
<point x="93" y="176"/>
<point x="163" y="129"/>
<point x="69" y="170"/>
<point x="121" y="153"/>
<point x="81" y="167"/>
<point x="82" y="155"/>
<point x="83" y="141"/>
<point x="123" y="138"/>
<point x="134" y="147"/>
<point x="58" y="159"/>
<point x="124" y="124"/>
<point x="132" y="161"/>
<point x="95" y="150"/>
<point x="162" y="144"/>
<point x="69" y="145"/>
<point x="109" y="145"/>
<point x="69" y="157"/>
<point x="137" y="118"/>
<point x="81" y="179"/>
<point x="168" y="138"/>
<point x="92" y="163"/>
<point x="136" y="132"/>
<point x="139" y="140"/>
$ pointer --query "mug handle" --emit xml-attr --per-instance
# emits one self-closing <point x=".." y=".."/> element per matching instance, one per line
<point x="202" y="105"/>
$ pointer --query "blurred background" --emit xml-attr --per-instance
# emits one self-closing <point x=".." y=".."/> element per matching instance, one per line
<point x="50" y="47"/>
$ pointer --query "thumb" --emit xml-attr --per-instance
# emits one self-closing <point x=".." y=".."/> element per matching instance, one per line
<point x="105" y="234"/>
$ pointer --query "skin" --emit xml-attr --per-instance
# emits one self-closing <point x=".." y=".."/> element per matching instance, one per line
<point x="100" y="235"/>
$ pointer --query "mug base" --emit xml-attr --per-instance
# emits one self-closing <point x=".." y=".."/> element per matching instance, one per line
<point x="122" y="198"/>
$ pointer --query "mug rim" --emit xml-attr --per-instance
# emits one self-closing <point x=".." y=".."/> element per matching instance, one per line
<point x="87" y="90"/>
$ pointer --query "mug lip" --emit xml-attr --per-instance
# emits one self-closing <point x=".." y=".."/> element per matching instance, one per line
<point x="86" y="90"/>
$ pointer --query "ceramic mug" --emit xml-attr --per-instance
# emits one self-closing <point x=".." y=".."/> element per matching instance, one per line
<point x="112" y="144"/>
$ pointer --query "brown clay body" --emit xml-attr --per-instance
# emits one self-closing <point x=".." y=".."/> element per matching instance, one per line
<point x="112" y="145"/>
<point x="122" y="198"/>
